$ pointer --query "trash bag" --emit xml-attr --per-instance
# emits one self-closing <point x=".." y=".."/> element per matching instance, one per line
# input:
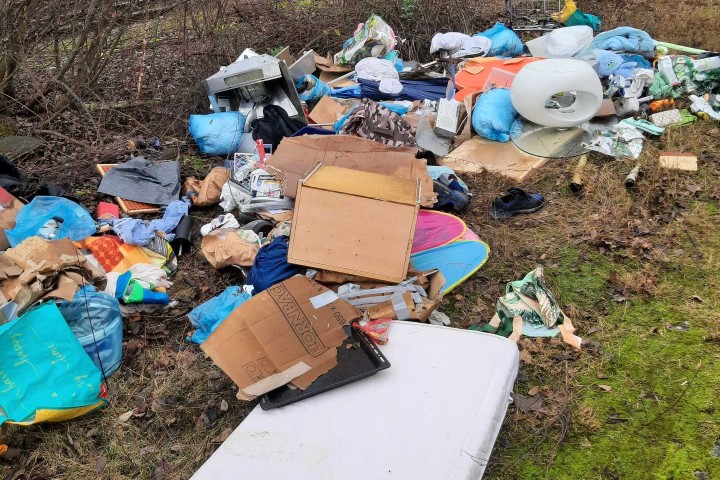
<point x="275" y="125"/>
<point x="505" y="43"/>
<point x="209" y="315"/>
<point x="71" y="220"/>
<point x="493" y="115"/>
<point x="271" y="266"/>
<point x="374" y="38"/>
<point x="217" y="133"/>
<point x="311" y="89"/>
<point x="586" y="19"/>
<point x="48" y="375"/>
<point x="96" y="320"/>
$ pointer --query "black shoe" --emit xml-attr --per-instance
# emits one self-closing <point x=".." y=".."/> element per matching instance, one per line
<point x="515" y="202"/>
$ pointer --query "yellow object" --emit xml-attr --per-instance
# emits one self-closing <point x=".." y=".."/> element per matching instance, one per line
<point x="568" y="9"/>
<point x="59" y="415"/>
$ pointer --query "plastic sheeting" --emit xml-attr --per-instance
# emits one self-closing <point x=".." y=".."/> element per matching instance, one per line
<point x="96" y="321"/>
<point x="434" y="229"/>
<point x="456" y="261"/>
<point x="74" y="221"/>
<point x="209" y="315"/>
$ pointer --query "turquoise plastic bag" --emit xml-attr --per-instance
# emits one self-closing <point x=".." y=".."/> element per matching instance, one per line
<point x="74" y="221"/>
<point x="217" y="133"/>
<point x="493" y="115"/>
<point x="45" y="374"/>
<point x="505" y="42"/>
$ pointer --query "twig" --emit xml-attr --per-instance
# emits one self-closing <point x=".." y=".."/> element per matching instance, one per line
<point x="61" y="136"/>
<point x="677" y="400"/>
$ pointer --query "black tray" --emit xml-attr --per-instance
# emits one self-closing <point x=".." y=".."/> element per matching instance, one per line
<point x="361" y="361"/>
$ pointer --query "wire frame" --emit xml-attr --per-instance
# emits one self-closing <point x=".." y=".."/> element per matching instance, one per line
<point x="532" y="15"/>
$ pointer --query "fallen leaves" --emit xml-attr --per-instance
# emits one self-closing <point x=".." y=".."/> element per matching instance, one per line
<point x="529" y="404"/>
<point x="125" y="417"/>
<point x="223" y="436"/>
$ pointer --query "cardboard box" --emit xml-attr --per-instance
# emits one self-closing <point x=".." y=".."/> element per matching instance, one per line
<point x="9" y="208"/>
<point x="298" y="155"/>
<point x="354" y="222"/>
<point x="287" y="333"/>
<point x="326" y="112"/>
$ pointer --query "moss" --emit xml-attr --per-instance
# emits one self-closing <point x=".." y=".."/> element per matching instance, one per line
<point x="664" y="382"/>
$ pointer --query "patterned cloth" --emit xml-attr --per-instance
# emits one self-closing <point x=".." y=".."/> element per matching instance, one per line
<point x="375" y="122"/>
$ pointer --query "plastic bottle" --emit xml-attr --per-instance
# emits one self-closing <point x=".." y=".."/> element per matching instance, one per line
<point x="666" y="68"/>
<point x="705" y="64"/>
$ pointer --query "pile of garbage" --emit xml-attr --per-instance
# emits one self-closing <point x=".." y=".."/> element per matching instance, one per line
<point x="339" y="181"/>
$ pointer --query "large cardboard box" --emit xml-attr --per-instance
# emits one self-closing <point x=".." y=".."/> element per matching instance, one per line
<point x="296" y="156"/>
<point x="354" y="222"/>
<point x="287" y="333"/>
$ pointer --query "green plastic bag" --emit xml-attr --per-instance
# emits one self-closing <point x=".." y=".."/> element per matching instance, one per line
<point x="45" y="374"/>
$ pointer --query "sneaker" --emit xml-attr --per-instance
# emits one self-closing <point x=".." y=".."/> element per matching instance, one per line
<point x="516" y="201"/>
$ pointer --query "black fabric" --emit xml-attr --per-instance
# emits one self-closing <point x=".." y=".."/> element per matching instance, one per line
<point x="275" y="125"/>
<point x="19" y="185"/>
<point x="140" y="180"/>
<point x="449" y="199"/>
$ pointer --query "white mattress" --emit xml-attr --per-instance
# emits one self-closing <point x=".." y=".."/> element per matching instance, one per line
<point x="434" y="414"/>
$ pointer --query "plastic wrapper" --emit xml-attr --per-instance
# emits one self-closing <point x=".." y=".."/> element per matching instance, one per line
<point x="377" y="330"/>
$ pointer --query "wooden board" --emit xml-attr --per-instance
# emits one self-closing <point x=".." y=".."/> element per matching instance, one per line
<point x="128" y="206"/>
<point x="352" y="234"/>
<point x="678" y="161"/>
<point x="478" y="155"/>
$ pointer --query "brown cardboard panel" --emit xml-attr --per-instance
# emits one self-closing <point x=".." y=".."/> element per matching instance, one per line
<point x="327" y="77"/>
<point x="478" y="155"/>
<point x="10" y="208"/>
<point x="342" y="232"/>
<point x="327" y="111"/>
<point x="297" y="155"/>
<point x="287" y="333"/>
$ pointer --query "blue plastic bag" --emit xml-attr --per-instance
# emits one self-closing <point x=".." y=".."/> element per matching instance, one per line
<point x="74" y="221"/>
<point x="209" y="315"/>
<point x="96" y="320"/>
<point x="271" y="265"/>
<point x="493" y="115"/>
<point x="311" y="89"/>
<point x="46" y="375"/>
<point x="505" y="42"/>
<point x="217" y="133"/>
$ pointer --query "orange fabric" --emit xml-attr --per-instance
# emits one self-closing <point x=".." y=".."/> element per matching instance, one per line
<point x="466" y="79"/>
<point x="113" y="254"/>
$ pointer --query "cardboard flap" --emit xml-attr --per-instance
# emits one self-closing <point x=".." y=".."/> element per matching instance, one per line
<point x="363" y="184"/>
<point x="297" y="155"/>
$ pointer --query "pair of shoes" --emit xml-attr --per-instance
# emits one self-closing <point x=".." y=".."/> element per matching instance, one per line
<point x="515" y="202"/>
